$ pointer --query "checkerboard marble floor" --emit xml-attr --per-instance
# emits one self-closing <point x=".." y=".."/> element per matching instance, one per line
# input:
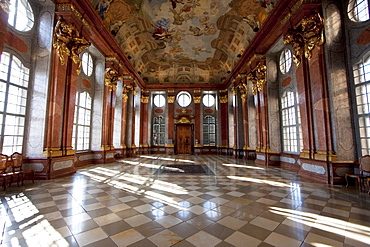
<point x="126" y="204"/>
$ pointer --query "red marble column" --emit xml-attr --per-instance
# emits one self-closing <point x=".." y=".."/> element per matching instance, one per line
<point x="62" y="98"/>
<point x="245" y="120"/>
<point x="197" y="117"/>
<point x="144" y="115"/>
<point x="133" y="127"/>
<point x="321" y="106"/>
<point x="171" y="121"/>
<point x="127" y="86"/>
<point x="305" y="107"/>
<point x="224" y="119"/>
<point x="235" y="117"/>
<point x="109" y="101"/>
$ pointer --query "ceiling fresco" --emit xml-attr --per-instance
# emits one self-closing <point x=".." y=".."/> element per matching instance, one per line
<point x="183" y="41"/>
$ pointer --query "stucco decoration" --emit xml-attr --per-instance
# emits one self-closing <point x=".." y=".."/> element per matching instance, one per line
<point x="314" y="168"/>
<point x="183" y="41"/>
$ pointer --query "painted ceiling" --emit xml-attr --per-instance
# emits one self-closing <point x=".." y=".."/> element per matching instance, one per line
<point x="183" y="41"/>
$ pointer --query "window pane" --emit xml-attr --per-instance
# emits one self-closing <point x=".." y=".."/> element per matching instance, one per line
<point x="21" y="15"/>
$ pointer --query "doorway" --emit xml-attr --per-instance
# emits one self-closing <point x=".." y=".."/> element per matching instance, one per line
<point x="184" y="139"/>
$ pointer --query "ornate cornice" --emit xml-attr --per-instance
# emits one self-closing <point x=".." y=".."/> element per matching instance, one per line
<point x="67" y="7"/>
<point x="305" y="36"/>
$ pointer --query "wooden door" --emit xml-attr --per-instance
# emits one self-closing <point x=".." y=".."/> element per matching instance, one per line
<point x="184" y="139"/>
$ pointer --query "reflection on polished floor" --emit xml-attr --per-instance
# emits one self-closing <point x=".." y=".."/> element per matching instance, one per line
<point x="128" y="204"/>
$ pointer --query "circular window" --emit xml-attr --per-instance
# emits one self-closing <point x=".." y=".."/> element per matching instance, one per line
<point x="208" y="100"/>
<point x="87" y="64"/>
<point x="184" y="99"/>
<point x="358" y="10"/>
<point x="285" y="61"/>
<point x="21" y="15"/>
<point x="159" y="100"/>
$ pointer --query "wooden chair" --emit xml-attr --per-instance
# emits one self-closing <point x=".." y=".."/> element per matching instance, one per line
<point x="3" y="169"/>
<point x="364" y="167"/>
<point x="17" y="170"/>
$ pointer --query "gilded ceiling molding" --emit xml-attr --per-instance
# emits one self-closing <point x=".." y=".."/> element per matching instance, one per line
<point x="111" y="76"/>
<point x="4" y="4"/>
<point x="305" y="36"/>
<point x="68" y="41"/>
<point x="256" y="57"/>
<point x="296" y="6"/>
<point x="258" y="78"/>
<point x="115" y="60"/>
<point x="70" y="7"/>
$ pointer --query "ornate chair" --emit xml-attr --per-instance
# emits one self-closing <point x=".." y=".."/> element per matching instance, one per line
<point x="3" y="169"/>
<point x="364" y="167"/>
<point x="17" y="171"/>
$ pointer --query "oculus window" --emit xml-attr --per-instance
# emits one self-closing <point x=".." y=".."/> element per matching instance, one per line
<point x="358" y="10"/>
<point x="21" y="15"/>
<point x="184" y="99"/>
<point x="87" y="64"/>
<point x="285" y="61"/>
<point x="208" y="100"/>
<point x="159" y="100"/>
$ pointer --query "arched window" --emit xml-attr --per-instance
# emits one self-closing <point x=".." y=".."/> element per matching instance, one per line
<point x="14" y="78"/>
<point x="82" y="122"/>
<point x="358" y="10"/>
<point x="21" y="15"/>
<point x="362" y="91"/>
<point x="291" y="123"/>
<point x="158" y="131"/>
<point x="209" y="131"/>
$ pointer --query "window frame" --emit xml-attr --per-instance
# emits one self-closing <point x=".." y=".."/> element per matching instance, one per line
<point x="353" y="10"/>
<point x="291" y="128"/>
<point x="207" y="125"/>
<point x="29" y="15"/>
<point x="162" y="134"/>
<point x="76" y="134"/>
<point x="21" y="104"/>
<point x="183" y="93"/>
<point x="284" y="61"/>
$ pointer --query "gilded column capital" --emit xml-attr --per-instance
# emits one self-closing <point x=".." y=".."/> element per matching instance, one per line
<point x="144" y="99"/>
<point x="258" y="78"/>
<point x="171" y="99"/>
<point x="305" y="36"/>
<point x="197" y="99"/>
<point x="4" y="4"/>
<point x="111" y="76"/>
<point x="224" y="99"/>
<point x="68" y="41"/>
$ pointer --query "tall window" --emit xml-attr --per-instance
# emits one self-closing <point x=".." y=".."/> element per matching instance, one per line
<point x="82" y="122"/>
<point x="358" y="10"/>
<point x="158" y="131"/>
<point x="291" y="123"/>
<point x="209" y="131"/>
<point x="13" y="102"/>
<point x="362" y="91"/>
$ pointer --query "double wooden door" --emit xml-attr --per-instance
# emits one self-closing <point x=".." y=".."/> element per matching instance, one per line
<point x="184" y="139"/>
